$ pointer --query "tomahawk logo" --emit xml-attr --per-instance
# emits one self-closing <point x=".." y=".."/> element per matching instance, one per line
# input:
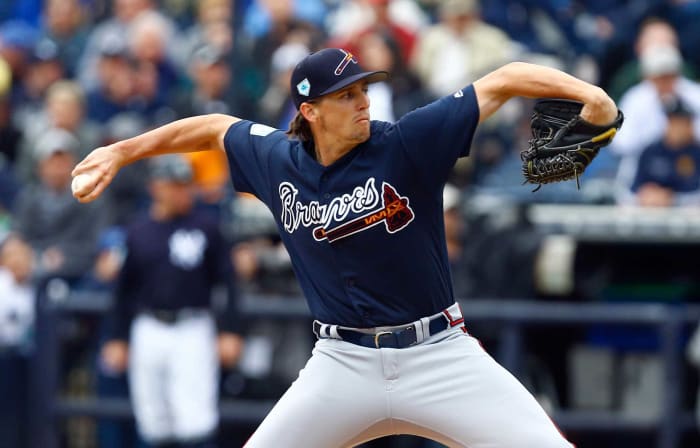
<point x="395" y="214"/>
<point x="388" y="208"/>
<point x="344" y="63"/>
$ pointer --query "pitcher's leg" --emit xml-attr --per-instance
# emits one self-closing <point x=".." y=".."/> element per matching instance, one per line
<point x="476" y="403"/>
<point x="338" y="395"/>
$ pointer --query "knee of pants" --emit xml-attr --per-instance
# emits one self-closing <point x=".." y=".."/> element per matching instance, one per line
<point x="201" y="427"/>
<point x="154" y="430"/>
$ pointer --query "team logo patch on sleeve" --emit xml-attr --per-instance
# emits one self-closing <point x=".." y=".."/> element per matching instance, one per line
<point x="261" y="130"/>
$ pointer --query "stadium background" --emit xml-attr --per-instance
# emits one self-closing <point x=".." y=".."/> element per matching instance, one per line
<point x="589" y="300"/>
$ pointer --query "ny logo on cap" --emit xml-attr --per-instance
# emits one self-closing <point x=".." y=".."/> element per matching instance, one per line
<point x="344" y="63"/>
<point x="304" y="87"/>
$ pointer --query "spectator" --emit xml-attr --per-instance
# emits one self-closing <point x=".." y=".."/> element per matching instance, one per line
<point x="61" y="232"/>
<point x="17" y="41"/>
<point x="459" y="49"/>
<point x="64" y="23"/>
<point x="668" y="170"/>
<point x="213" y="88"/>
<point x="263" y="16"/>
<point x="115" y="26"/>
<point x="653" y="31"/>
<point x="381" y="21"/>
<point x="63" y="108"/>
<point x="276" y="106"/>
<point x="377" y="54"/>
<point x="402" y="92"/>
<point x="175" y="258"/>
<point x="115" y="91"/>
<point x="43" y="69"/>
<point x="213" y="92"/>
<point x="351" y="18"/>
<point x="213" y="26"/>
<point x="16" y="324"/>
<point x="17" y="292"/>
<point x="149" y="44"/>
<point x="645" y="120"/>
<point x="258" y="48"/>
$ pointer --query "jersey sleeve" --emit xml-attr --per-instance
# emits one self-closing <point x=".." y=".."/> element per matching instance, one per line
<point x="248" y="148"/>
<point x="436" y="135"/>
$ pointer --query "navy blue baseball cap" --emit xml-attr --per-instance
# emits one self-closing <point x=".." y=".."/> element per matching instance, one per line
<point x="327" y="71"/>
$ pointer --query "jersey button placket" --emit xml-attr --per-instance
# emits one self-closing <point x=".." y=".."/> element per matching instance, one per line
<point x="322" y="186"/>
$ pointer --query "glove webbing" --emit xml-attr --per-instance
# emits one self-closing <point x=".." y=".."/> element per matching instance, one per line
<point x="556" y="168"/>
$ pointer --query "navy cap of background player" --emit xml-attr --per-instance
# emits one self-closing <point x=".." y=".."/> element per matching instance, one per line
<point x="327" y="71"/>
<point x="675" y="106"/>
<point x="171" y="167"/>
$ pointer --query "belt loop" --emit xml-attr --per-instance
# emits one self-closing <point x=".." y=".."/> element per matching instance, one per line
<point x="326" y="330"/>
<point x="418" y="328"/>
<point x="455" y="311"/>
<point x="425" y="329"/>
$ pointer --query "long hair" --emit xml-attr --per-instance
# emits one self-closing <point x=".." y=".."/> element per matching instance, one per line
<point x="300" y="128"/>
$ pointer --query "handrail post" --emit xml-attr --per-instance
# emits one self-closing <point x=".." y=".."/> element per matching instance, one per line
<point x="44" y="376"/>
<point x="670" y="337"/>
<point x="510" y="348"/>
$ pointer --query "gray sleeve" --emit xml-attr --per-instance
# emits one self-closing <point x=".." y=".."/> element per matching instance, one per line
<point x="79" y="242"/>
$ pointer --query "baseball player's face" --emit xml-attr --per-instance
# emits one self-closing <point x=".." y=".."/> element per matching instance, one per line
<point x="171" y="198"/>
<point x="345" y="113"/>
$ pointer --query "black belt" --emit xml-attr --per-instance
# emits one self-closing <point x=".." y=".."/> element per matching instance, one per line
<point x="172" y="316"/>
<point x="401" y="337"/>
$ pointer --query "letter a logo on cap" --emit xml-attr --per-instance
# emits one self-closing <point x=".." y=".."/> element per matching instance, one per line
<point x="304" y="87"/>
<point x="344" y="63"/>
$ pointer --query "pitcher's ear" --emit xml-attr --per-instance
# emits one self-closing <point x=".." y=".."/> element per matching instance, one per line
<point x="309" y="111"/>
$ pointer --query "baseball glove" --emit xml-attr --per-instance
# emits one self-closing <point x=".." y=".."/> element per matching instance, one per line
<point x="563" y="144"/>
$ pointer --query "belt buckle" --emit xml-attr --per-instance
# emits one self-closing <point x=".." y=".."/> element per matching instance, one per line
<point x="377" y="336"/>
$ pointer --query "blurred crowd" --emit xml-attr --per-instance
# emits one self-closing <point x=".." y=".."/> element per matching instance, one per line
<point x="79" y="74"/>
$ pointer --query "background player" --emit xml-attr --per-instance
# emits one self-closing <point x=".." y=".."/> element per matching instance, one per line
<point x="359" y="207"/>
<point x="176" y="255"/>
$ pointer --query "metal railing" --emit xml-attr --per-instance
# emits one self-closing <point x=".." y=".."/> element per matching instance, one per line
<point x="511" y="317"/>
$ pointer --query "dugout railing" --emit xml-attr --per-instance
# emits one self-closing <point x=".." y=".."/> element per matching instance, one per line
<point x="512" y="318"/>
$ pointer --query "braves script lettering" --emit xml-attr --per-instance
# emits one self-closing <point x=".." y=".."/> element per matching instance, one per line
<point x="295" y="213"/>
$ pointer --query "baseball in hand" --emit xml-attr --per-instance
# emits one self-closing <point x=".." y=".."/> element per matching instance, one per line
<point x="80" y="184"/>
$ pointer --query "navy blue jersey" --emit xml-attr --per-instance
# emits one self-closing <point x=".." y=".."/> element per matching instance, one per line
<point x="171" y="265"/>
<point x="365" y="234"/>
<point x="676" y="169"/>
